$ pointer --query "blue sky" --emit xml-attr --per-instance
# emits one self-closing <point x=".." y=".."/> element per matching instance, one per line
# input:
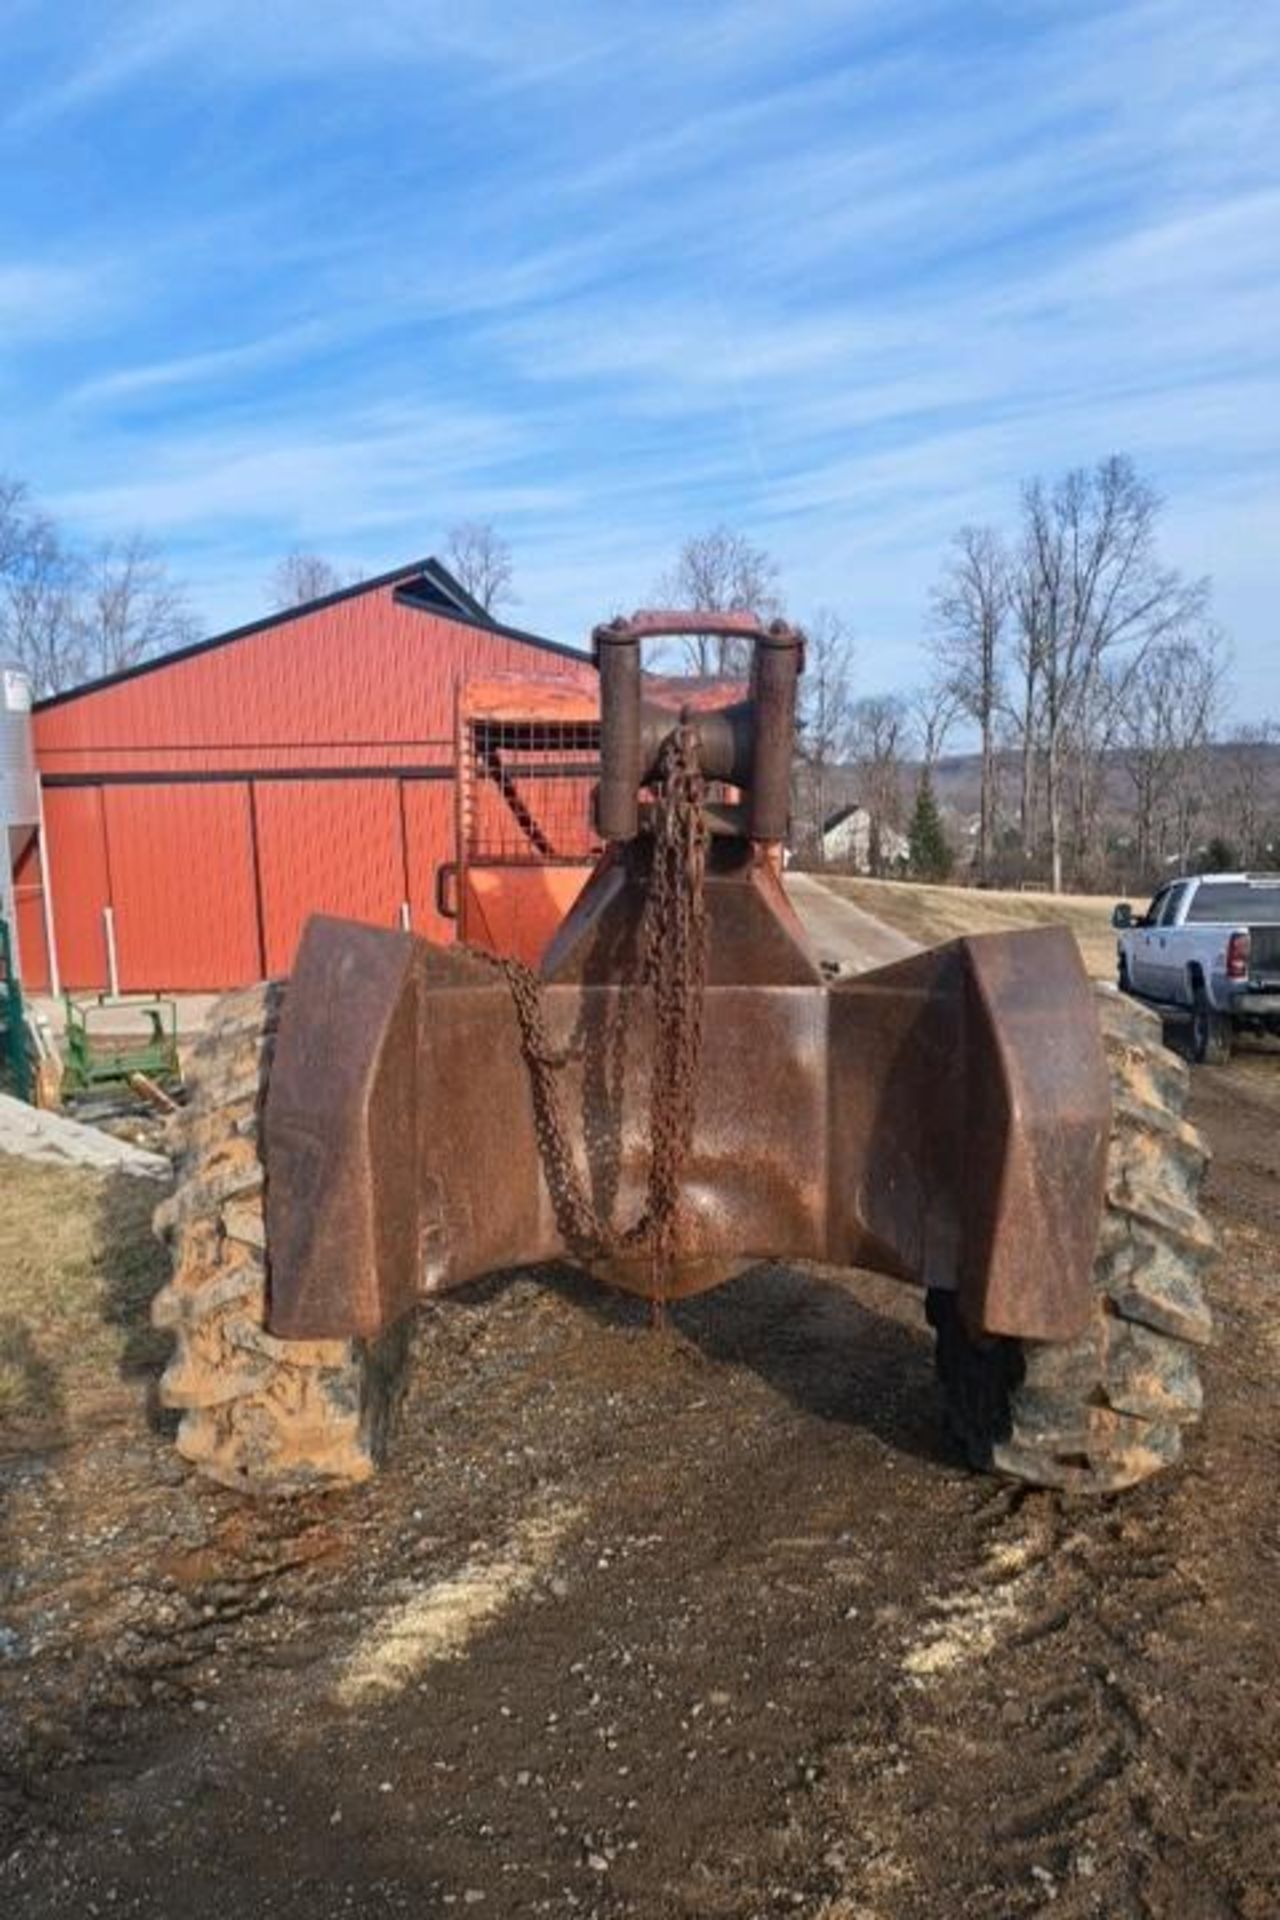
<point x="307" y="273"/>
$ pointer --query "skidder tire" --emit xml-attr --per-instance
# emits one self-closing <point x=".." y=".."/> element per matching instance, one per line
<point x="258" y="1413"/>
<point x="1108" y="1409"/>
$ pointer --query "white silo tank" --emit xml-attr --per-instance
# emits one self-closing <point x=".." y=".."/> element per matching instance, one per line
<point x="19" y="785"/>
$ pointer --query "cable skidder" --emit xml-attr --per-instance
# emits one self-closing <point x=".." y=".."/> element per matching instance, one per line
<point x="677" y="1093"/>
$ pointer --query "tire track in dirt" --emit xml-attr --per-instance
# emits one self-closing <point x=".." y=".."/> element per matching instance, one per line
<point x="1008" y="1695"/>
<point x="1093" y="1685"/>
<point x="790" y="1660"/>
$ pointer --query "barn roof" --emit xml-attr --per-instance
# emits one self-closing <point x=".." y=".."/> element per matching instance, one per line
<point x="425" y="583"/>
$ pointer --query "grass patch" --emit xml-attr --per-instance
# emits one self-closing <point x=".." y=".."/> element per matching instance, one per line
<point x="930" y="914"/>
<point x="78" y="1267"/>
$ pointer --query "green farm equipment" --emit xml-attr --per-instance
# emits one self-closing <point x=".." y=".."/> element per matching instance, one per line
<point x="17" y="1068"/>
<point x="111" y="1039"/>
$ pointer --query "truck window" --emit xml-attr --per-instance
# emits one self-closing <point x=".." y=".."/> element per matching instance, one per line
<point x="1248" y="902"/>
<point x="1172" y="902"/>
<point x="1151" y="917"/>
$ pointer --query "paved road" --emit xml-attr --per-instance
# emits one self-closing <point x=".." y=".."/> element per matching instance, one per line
<point x="842" y="932"/>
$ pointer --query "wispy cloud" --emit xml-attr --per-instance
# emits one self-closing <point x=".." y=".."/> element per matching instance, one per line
<point x="37" y="299"/>
<point x="221" y="365"/>
<point x="397" y="470"/>
<point x="101" y="54"/>
<point x="839" y="273"/>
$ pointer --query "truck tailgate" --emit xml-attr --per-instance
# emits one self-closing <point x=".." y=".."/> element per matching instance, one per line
<point x="1264" y="955"/>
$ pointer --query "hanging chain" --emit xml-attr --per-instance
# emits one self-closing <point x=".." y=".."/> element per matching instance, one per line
<point x="673" y="953"/>
<point x="674" y="961"/>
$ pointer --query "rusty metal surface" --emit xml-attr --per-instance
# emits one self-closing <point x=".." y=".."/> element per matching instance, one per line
<point x="970" y="1114"/>
<point x="754" y="935"/>
<point x="682" y="1092"/>
<point x="747" y="743"/>
<point x="943" y="1119"/>
<point x="654" y="623"/>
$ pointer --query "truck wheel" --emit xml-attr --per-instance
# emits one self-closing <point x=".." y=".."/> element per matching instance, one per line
<point x="266" y="1415"/>
<point x="1210" y="1033"/>
<point x="1123" y="981"/>
<point x="1108" y="1409"/>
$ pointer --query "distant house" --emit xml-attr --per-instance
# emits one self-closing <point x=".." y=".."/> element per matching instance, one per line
<point x="846" y="841"/>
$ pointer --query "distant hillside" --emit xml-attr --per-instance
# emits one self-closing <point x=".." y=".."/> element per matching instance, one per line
<point x="956" y="780"/>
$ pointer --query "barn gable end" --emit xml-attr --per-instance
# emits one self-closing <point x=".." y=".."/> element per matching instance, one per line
<point x="198" y="806"/>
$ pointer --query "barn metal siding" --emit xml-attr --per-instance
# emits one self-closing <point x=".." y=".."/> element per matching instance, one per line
<point x="213" y="800"/>
<point x="80" y="884"/>
<point x="326" y="846"/>
<point x="428" y="810"/>
<point x="369" y="682"/>
<point x="28" y="902"/>
<point x="181" y="865"/>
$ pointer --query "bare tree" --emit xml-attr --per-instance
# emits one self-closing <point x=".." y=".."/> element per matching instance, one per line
<point x="481" y="562"/>
<point x="970" y="612"/>
<point x="1090" y="586"/>
<point x="128" y="609"/>
<point x="1024" y="710"/>
<point x="15" y="513"/>
<point x="1166" y="726"/>
<point x="39" y="583"/>
<point x="1088" y="753"/>
<point x="63" y="617"/>
<point x="825" y="711"/>
<point x="1245" y="765"/>
<point x="932" y="712"/>
<point x="721" y="572"/>
<point x="877" y="735"/>
<point x="302" y="577"/>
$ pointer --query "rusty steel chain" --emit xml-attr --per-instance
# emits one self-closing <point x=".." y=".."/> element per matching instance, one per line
<point x="673" y="952"/>
<point x="674" y="961"/>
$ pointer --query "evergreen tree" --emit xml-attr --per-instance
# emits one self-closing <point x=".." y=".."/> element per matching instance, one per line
<point x="930" y="854"/>
<point x="1218" y="857"/>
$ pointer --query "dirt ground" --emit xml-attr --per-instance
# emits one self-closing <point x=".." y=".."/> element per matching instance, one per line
<point x="694" y="1623"/>
<point x="927" y="914"/>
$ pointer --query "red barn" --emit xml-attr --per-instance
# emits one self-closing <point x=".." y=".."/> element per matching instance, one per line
<point x="198" y="807"/>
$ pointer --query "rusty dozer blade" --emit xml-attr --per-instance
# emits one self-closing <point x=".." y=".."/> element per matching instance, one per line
<point x="943" y="1120"/>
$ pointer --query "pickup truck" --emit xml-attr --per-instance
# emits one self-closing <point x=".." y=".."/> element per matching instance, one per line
<point x="1207" y="951"/>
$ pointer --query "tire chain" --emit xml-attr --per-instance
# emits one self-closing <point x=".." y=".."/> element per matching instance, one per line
<point x="673" y="961"/>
